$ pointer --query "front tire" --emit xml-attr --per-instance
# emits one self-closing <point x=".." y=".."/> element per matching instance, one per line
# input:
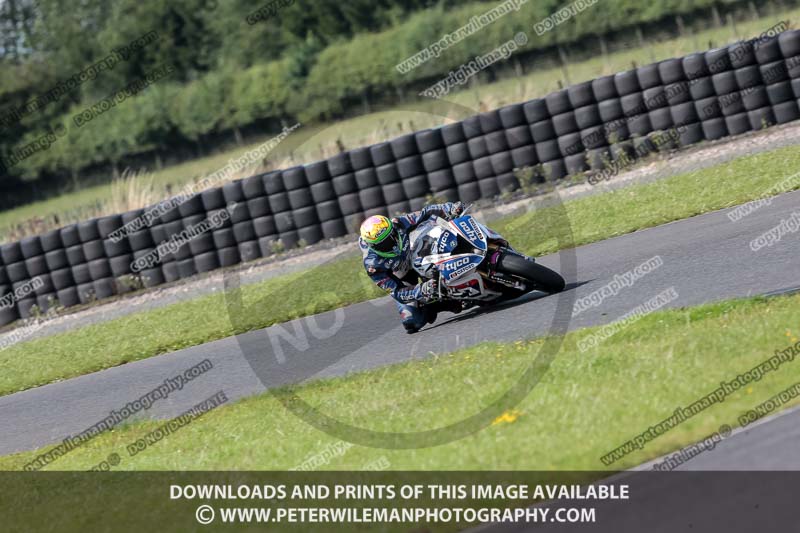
<point x="539" y="277"/>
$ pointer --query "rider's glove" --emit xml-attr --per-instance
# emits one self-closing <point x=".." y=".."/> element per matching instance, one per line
<point x="429" y="291"/>
<point x="457" y="209"/>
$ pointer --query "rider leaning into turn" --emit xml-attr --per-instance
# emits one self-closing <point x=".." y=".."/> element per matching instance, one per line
<point x="385" y="246"/>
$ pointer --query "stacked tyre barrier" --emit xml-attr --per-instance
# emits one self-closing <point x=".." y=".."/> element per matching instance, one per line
<point x="600" y="125"/>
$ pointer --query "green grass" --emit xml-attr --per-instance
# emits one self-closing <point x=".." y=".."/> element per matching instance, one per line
<point x="383" y="125"/>
<point x="585" y="405"/>
<point x="343" y="281"/>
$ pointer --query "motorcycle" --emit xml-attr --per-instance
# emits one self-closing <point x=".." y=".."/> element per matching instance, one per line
<point x="475" y="264"/>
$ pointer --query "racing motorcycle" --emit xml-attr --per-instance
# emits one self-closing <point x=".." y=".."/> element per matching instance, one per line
<point x="475" y="264"/>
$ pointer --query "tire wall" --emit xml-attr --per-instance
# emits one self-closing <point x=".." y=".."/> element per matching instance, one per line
<point x="600" y="125"/>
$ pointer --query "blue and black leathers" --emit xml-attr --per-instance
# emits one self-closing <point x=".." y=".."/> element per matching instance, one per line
<point x="396" y="275"/>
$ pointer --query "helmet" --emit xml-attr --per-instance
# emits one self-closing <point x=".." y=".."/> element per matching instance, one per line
<point x="381" y="235"/>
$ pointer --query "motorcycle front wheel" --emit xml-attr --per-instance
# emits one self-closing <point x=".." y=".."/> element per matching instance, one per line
<point x="537" y="276"/>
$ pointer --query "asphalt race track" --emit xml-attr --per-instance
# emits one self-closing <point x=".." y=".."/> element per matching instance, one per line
<point x="705" y="258"/>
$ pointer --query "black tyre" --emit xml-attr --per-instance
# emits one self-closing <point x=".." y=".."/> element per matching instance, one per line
<point x="661" y="119"/>
<point x="186" y="268"/>
<point x="300" y="198"/>
<point x="495" y="142"/>
<point x="718" y="60"/>
<point x="748" y="76"/>
<point x="339" y="164"/>
<point x="511" y="116"/>
<point x="768" y="50"/>
<point x="543" y="131"/>
<point x="690" y="134"/>
<point x="469" y="192"/>
<point x="774" y="72"/>
<point x="317" y="172"/>
<point x="671" y="71"/>
<point x="477" y="147"/>
<point x="416" y="187"/>
<point x="403" y="146"/>
<point x="80" y="273"/>
<point x="707" y="108"/>
<point x="228" y="256"/>
<point x="580" y="95"/>
<point x="330" y="229"/>
<point x="518" y="136"/>
<point x="694" y="66"/>
<point x="451" y="134"/>
<point x="640" y="124"/>
<point x="273" y="182"/>
<point x="554" y="170"/>
<point x="609" y="110"/>
<point x="548" y="151"/>
<point x="565" y="123"/>
<point x="483" y="167"/>
<point x="310" y="234"/>
<point x="558" y="102"/>
<point x="731" y="104"/>
<point x="410" y="166"/>
<point x="279" y="202"/>
<point x="490" y="121"/>
<point x="259" y="207"/>
<point x="62" y="278"/>
<point x="214" y="199"/>
<point x="500" y="162"/>
<point x="348" y="203"/>
<point x="387" y="174"/>
<point x="381" y="154"/>
<point x="724" y="83"/>
<point x="344" y="184"/>
<point x="88" y="230"/>
<point x="253" y="187"/>
<point x="701" y="88"/>
<point x="761" y="118"/>
<point x="439" y="181"/>
<point x="576" y="164"/>
<point x="457" y="153"/>
<point x="648" y="76"/>
<point x="69" y="237"/>
<point x="112" y="248"/>
<point x="626" y="82"/>
<point x="654" y="97"/>
<point x="789" y="43"/>
<point x="524" y="156"/>
<point x="488" y="187"/>
<point x="371" y="198"/>
<point x="604" y="88"/>
<point x="119" y="265"/>
<point x="780" y="92"/>
<point x="303" y="217"/>
<point x="194" y="205"/>
<point x="538" y="277"/>
<point x="429" y="140"/>
<point x="68" y="296"/>
<point x="535" y="111"/>
<point x="471" y="127"/>
<point x="325" y="211"/>
<point x="232" y="191"/>
<point x="593" y="137"/>
<point x="714" y="129"/>
<point x="360" y="158"/>
<point x="587" y="116"/>
<point x="464" y="173"/>
<point x="437" y="159"/>
<point x="677" y="93"/>
<point x="742" y="54"/>
<point x="786" y="112"/>
<point x="99" y="269"/>
<point x="93" y="250"/>
<point x="293" y="178"/>
<point x="206" y="262"/>
<point x="570" y="144"/>
<point x="31" y="247"/>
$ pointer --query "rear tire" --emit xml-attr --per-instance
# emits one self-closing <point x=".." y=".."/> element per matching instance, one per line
<point x="539" y="276"/>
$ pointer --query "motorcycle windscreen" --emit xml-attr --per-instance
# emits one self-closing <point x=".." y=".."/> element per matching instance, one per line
<point x="468" y="228"/>
<point x="459" y="265"/>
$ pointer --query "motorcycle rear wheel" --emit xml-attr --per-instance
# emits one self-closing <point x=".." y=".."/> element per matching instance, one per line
<point x="539" y="277"/>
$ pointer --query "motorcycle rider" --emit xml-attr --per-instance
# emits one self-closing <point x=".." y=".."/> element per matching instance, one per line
<point x="384" y="244"/>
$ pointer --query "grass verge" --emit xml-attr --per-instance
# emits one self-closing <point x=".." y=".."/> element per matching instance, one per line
<point x="585" y="405"/>
<point x="184" y="324"/>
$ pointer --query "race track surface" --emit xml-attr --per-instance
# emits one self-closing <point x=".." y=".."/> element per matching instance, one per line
<point x="705" y="258"/>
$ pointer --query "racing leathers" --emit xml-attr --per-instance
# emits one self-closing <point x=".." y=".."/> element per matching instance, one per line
<point x="416" y="302"/>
